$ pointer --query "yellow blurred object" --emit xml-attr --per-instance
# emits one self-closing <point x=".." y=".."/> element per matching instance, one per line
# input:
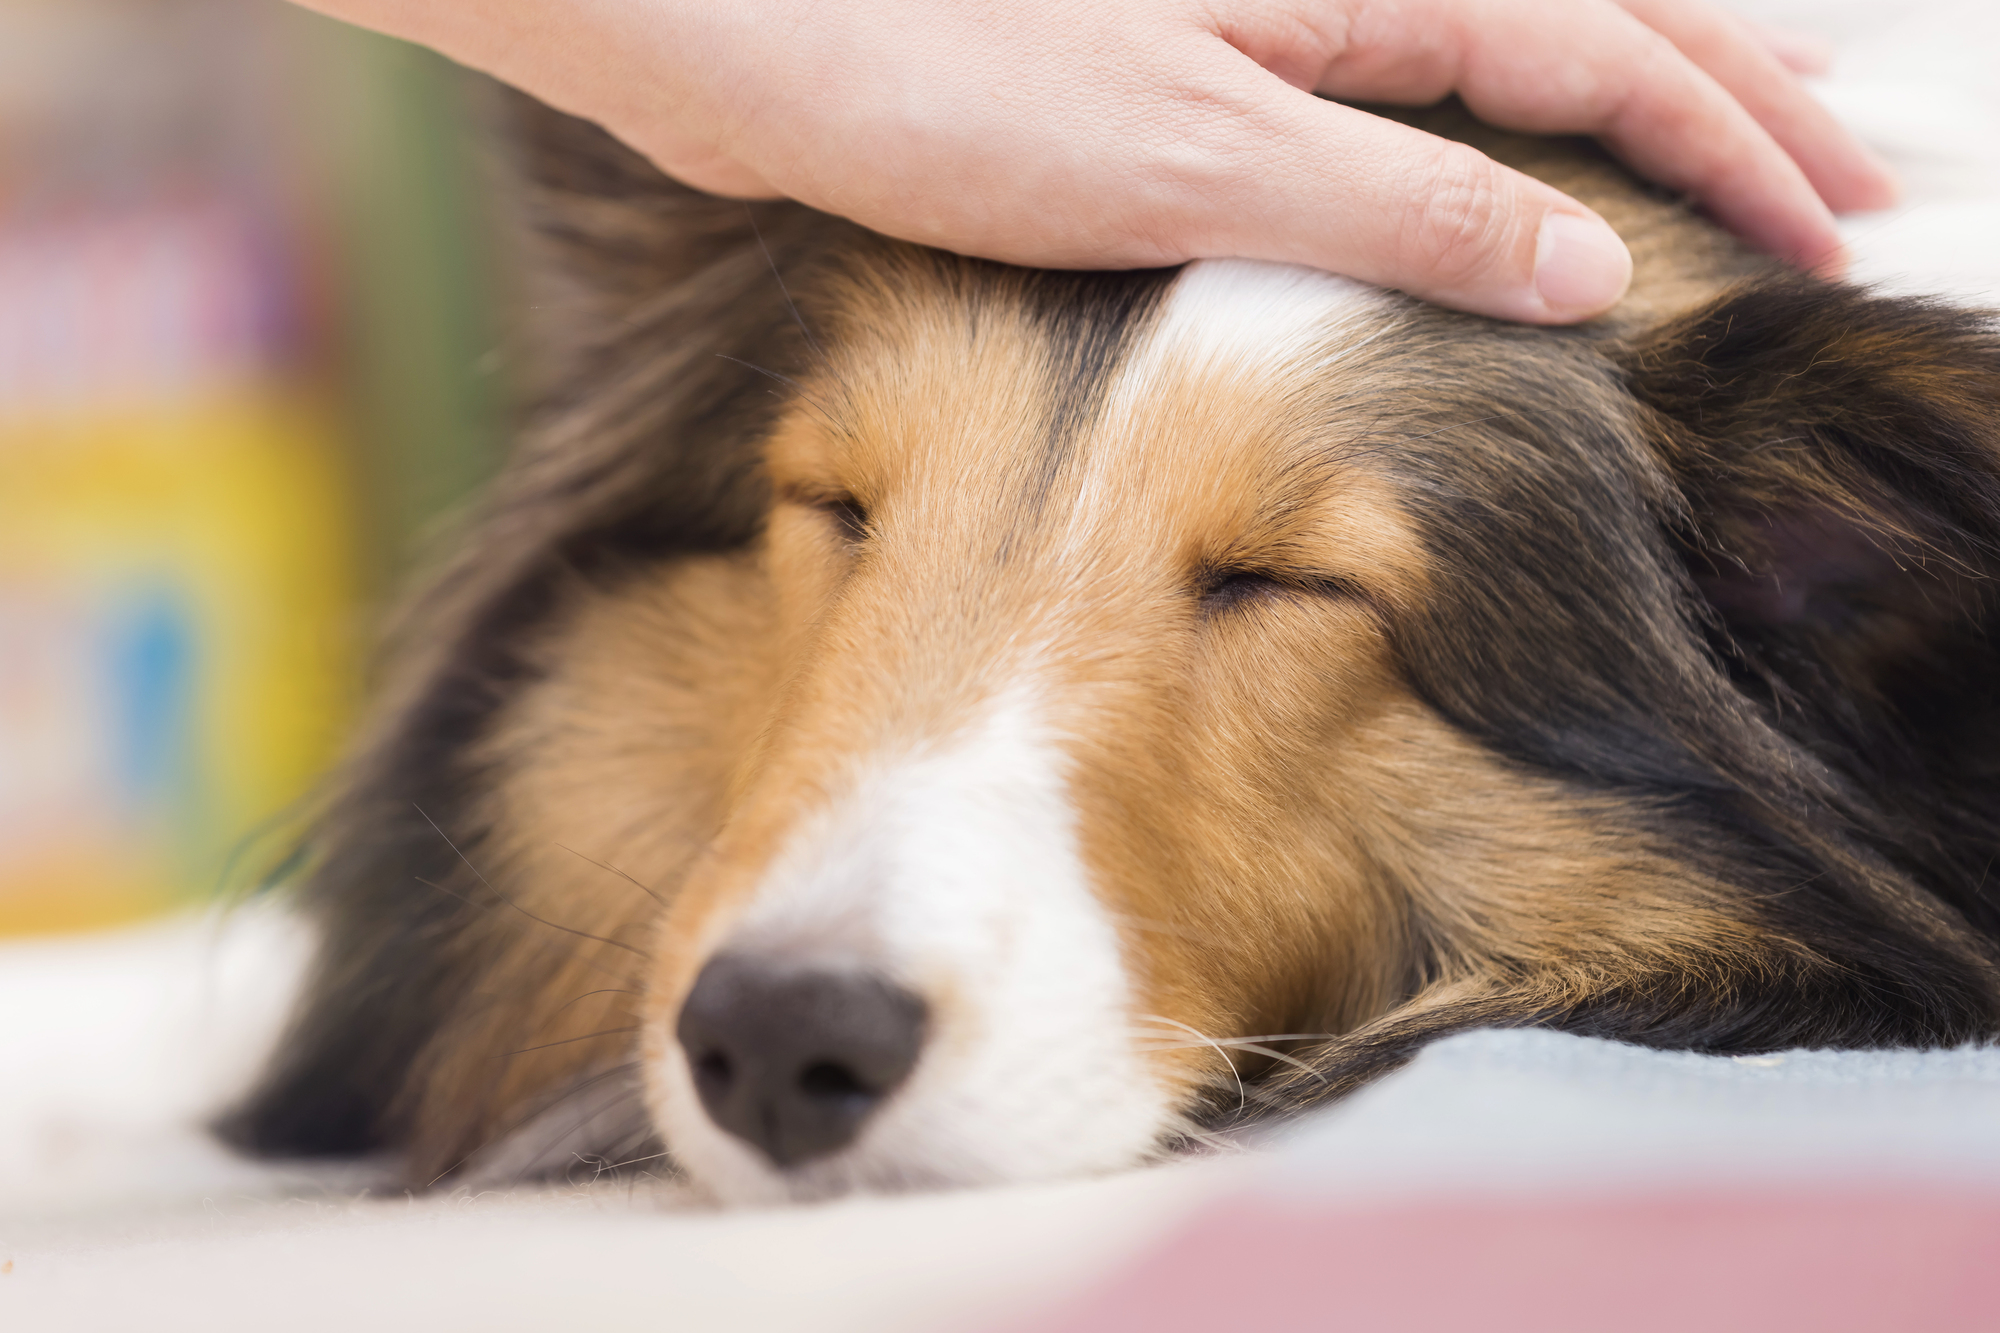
<point x="247" y="357"/>
<point x="182" y="574"/>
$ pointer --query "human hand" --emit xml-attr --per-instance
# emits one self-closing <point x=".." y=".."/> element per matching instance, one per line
<point x="1127" y="133"/>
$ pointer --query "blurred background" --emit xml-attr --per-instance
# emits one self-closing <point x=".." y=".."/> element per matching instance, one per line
<point x="252" y="281"/>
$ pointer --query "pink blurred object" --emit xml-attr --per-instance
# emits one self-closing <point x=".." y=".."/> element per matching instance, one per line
<point x="1870" y="1260"/>
<point x="135" y="307"/>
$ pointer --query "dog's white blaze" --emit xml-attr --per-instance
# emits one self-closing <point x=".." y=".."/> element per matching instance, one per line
<point x="1249" y="325"/>
<point x="1249" y="315"/>
<point x="954" y="870"/>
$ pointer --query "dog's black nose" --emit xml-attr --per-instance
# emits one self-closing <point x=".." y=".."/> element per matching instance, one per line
<point x="793" y="1060"/>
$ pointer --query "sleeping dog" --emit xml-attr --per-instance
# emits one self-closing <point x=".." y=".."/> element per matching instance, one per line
<point x="905" y="721"/>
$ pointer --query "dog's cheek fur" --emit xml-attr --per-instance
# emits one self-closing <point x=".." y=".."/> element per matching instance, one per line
<point x="1217" y="804"/>
<point x="1306" y="848"/>
<point x="612" y="773"/>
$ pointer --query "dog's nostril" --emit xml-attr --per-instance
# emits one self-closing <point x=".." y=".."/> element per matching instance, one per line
<point x="827" y="1079"/>
<point x="792" y="1060"/>
<point x="712" y="1070"/>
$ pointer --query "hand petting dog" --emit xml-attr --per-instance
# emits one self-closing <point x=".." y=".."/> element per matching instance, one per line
<point x="1131" y="133"/>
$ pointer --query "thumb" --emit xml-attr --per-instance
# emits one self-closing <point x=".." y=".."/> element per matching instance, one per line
<point x="1392" y="205"/>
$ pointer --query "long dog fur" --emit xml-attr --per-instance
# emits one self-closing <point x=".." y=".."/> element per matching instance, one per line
<point x="1705" y="608"/>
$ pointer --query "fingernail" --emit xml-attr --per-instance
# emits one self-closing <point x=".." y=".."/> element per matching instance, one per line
<point x="1581" y="267"/>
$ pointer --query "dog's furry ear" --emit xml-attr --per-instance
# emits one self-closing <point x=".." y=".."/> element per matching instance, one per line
<point x="1837" y="455"/>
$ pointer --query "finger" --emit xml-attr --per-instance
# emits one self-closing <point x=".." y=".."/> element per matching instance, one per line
<point x="1588" y="67"/>
<point x="1845" y="173"/>
<point x="1327" y="185"/>
<point x="707" y="170"/>
<point x="1800" y="52"/>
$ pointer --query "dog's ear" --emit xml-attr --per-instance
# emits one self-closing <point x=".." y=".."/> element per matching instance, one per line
<point x="1838" y="459"/>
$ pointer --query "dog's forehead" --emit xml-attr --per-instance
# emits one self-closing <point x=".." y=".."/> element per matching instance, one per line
<point x="1043" y="395"/>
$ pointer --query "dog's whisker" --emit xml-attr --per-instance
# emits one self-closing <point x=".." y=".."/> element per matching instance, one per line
<point x="616" y="944"/>
<point x="1256" y="1049"/>
<point x="588" y="1036"/>
<point x="630" y="1161"/>
<point x="1206" y="1039"/>
<point x="612" y="869"/>
<point x="576" y="954"/>
<point x="799" y="391"/>
<point x="750" y="215"/>
<point x="1281" y="1036"/>
<point x="580" y="1086"/>
<point x="1239" y="1044"/>
<point x="601" y="990"/>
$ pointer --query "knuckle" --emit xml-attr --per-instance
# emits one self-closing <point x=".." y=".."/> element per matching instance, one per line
<point x="1160" y="216"/>
<point x="1458" y="217"/>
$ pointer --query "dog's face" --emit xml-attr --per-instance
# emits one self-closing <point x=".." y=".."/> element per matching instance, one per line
<point x="1123" y="702"/>
<point x="1091" y="773"/>
<point x="1085" y="669"/>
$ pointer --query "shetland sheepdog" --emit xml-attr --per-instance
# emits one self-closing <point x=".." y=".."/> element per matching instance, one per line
<point x="903" y="721"/>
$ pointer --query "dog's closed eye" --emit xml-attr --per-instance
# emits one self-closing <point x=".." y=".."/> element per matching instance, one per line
<point x="1225" y="589"/>
<point x="849" y="516"/>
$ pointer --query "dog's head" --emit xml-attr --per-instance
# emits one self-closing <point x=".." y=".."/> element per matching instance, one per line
<point x="995" y="724"/>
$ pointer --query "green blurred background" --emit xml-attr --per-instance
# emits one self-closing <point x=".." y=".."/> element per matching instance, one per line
<point x="255" y="279"/>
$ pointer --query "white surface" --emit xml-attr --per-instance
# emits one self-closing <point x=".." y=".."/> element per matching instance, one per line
<point x="590" y="1260"/>
<point x="115" y="1212"/>
<point x="1524" y="1111"/>
<point x="1920" y="82"/>
<point x="114" y="1204"/>
<point x="116" y="1046"/>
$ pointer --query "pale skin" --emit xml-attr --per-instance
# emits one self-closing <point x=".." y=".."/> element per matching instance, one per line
<point x="1129" y="133"/>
